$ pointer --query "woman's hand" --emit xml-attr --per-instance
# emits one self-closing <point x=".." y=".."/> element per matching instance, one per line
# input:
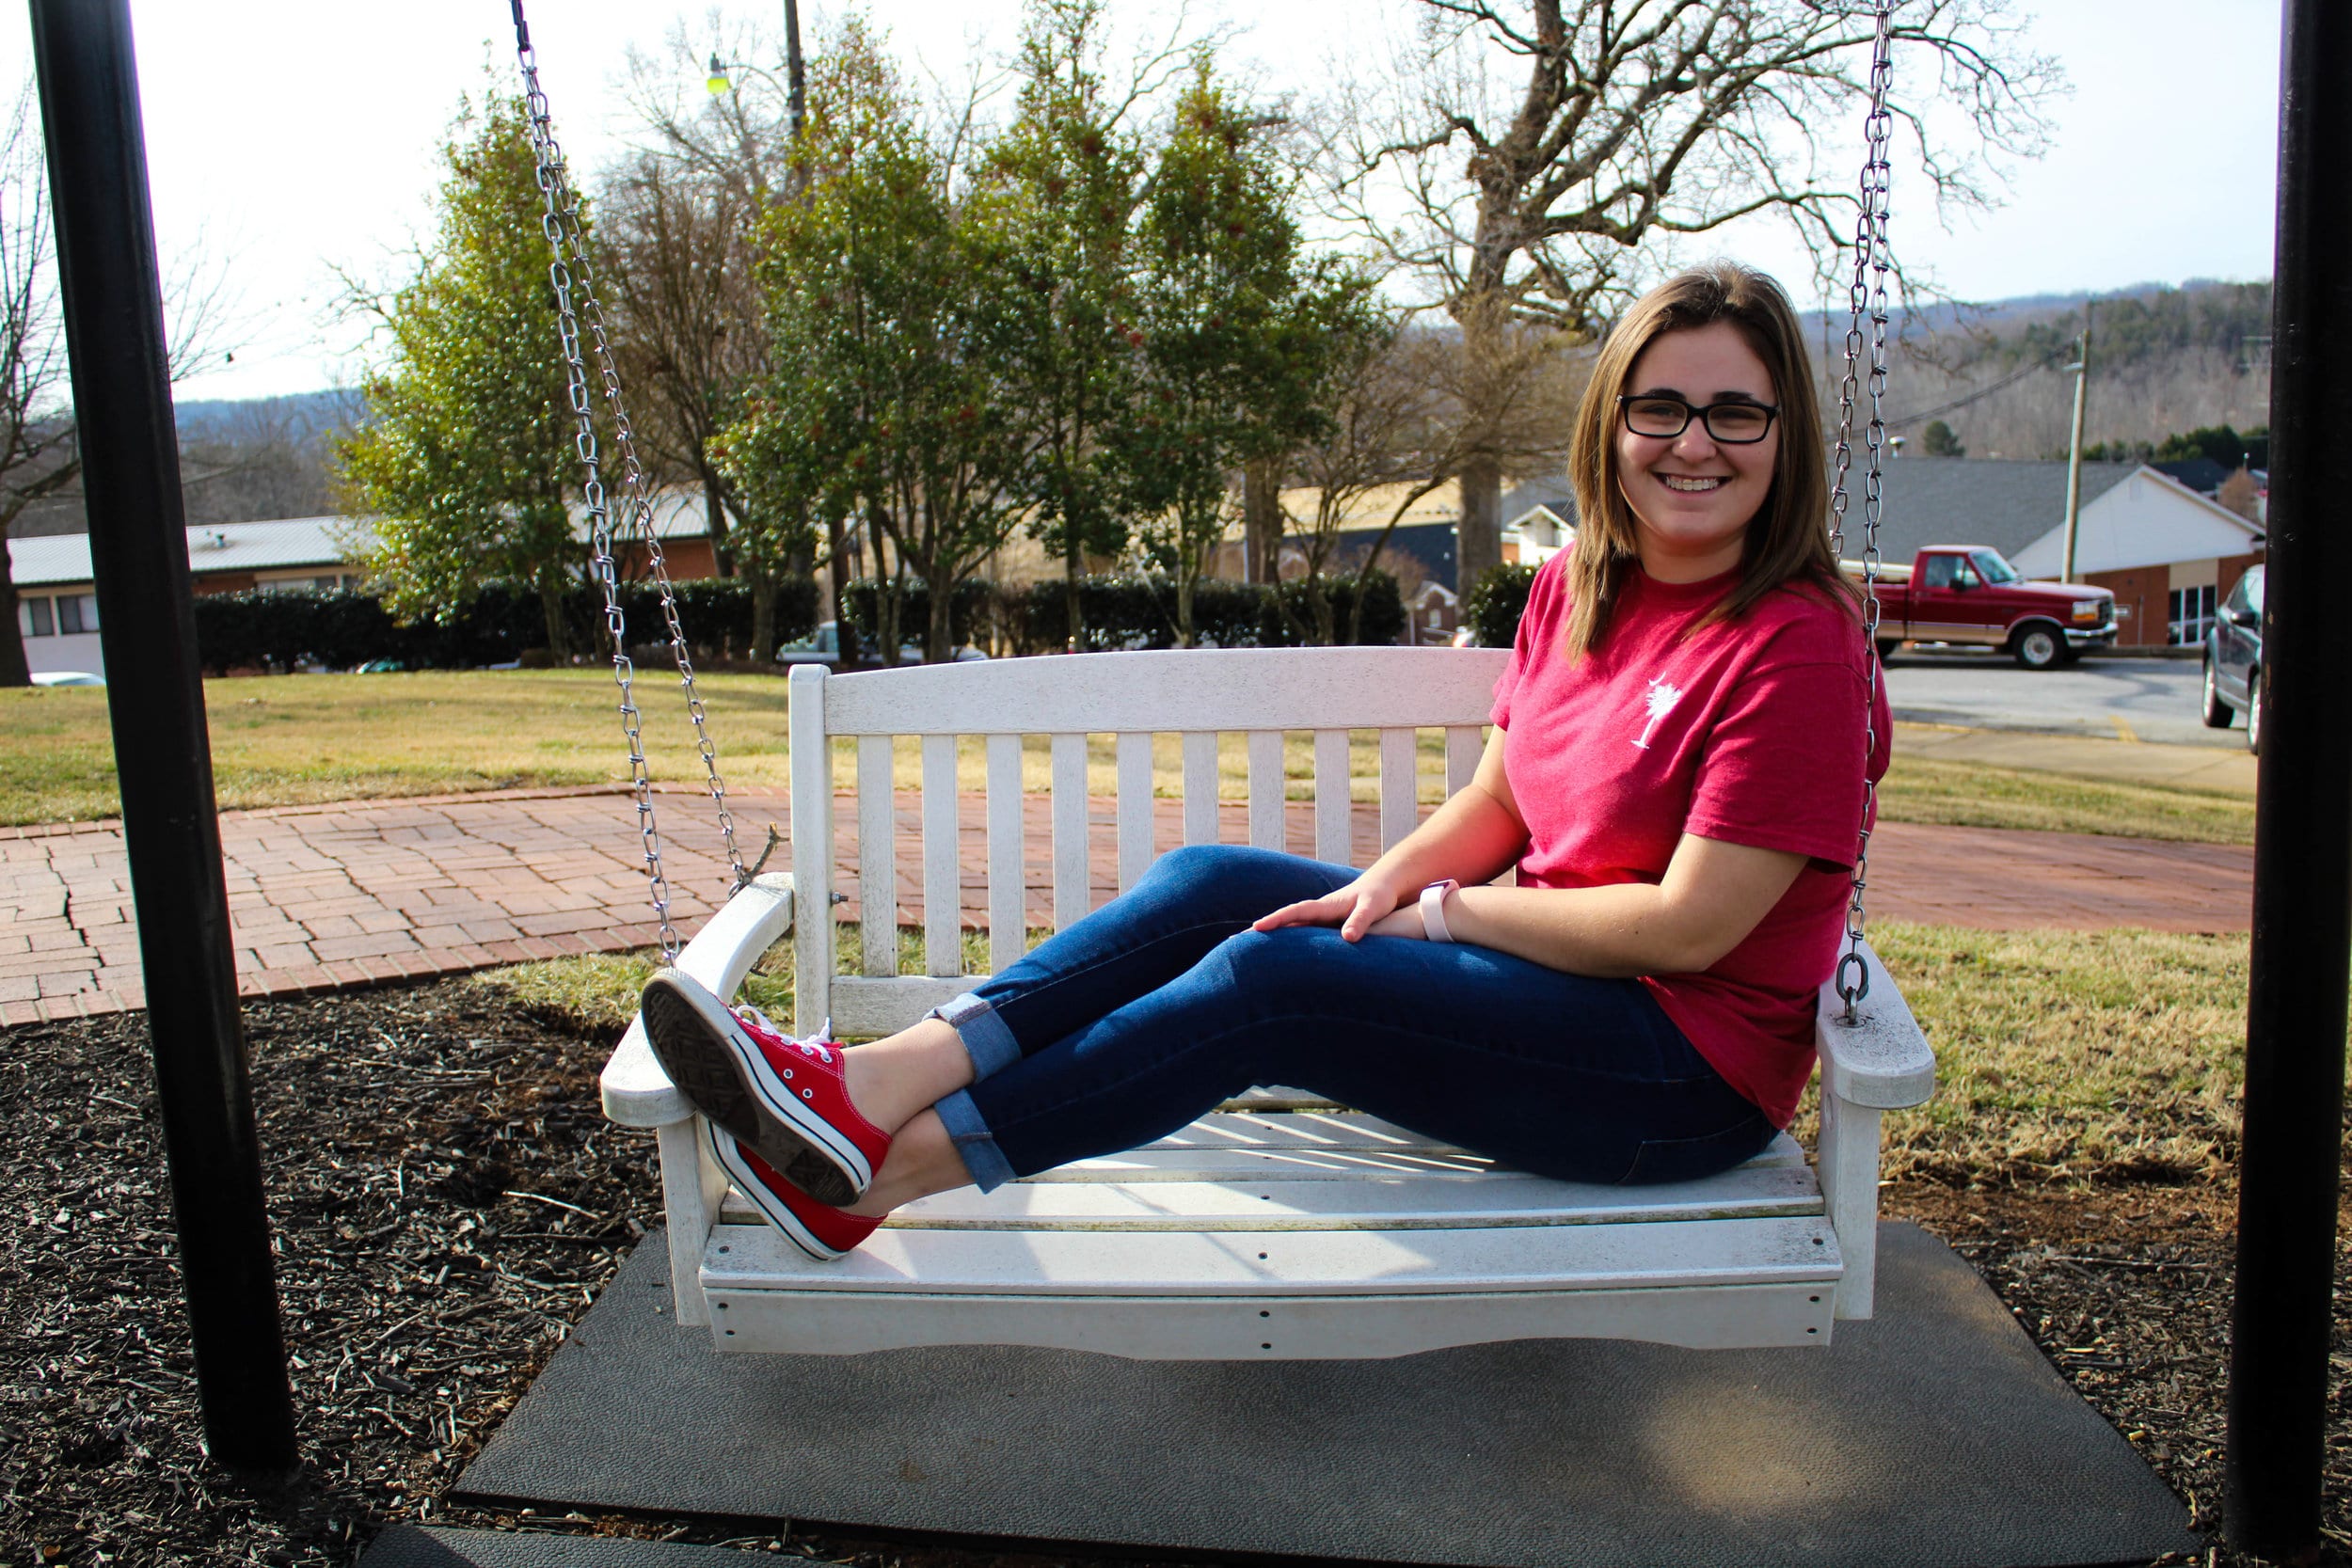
<point x="1363" y="908"/>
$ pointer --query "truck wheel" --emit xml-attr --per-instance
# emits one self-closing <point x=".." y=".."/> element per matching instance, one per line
<point x="1887" y="646"/>
<point x="2039" y="645"/>
<point x="2219" y="715"/>
<point x="2254" y="711"/>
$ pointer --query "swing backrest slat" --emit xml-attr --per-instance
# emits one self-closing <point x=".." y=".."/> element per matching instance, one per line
<point x="1194" y="697"/>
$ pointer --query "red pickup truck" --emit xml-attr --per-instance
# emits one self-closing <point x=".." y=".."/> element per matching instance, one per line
<point x="1968" y="593"/>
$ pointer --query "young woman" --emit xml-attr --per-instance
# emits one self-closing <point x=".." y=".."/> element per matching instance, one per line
<point x="1676" y="769"/>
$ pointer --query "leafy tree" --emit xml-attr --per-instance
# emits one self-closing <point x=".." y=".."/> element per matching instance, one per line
<point x="1938" y="440"/>
<point x="1063" y="185"/>
<point x="467" y="457"/>
<point x="2220" y="443"/>
<point x="1533" y="147"/>
<point x="882" y="300"/>
<point x="1234" y="330"/>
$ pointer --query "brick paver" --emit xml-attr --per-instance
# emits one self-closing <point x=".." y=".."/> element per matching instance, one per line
<point x="363" y="893"/>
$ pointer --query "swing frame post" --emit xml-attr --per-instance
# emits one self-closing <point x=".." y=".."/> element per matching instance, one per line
<point x="2296" y="1002"/>
<point x="114" y="327"/>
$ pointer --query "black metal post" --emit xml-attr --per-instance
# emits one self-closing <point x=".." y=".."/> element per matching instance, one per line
<point x="154" y="691"/>
<point x="2294" y="1014"/>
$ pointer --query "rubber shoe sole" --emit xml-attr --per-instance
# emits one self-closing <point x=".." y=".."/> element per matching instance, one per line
<point x="719" y="1067"/>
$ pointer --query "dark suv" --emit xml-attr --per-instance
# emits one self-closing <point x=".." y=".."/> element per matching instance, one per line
<point x="2233" y="659"/>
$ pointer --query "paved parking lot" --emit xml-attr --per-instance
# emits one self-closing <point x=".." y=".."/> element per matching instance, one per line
<point x="2115" y="699"/>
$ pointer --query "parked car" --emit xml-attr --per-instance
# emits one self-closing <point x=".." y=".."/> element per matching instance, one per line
<point x="68" y="678"/>
<point x="2234" y="660"/>
<point x="823" y="647"/>
<point x="1971" y="595"/>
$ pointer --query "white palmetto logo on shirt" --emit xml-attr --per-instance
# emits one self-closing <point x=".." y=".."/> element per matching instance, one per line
<point x="1662" y="698"/>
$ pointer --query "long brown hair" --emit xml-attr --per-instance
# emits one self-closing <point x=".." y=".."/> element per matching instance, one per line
<point x="1787" y="540"/>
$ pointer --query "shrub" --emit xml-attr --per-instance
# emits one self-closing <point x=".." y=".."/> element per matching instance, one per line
<point x="1496" y="601"/>
<point x="1384" y="611"/>
<point x="861" y="601"/>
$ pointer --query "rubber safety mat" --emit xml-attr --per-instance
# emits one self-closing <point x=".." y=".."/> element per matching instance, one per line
<point x="1933" y="1434"/>
<point x="407" y="1546"/>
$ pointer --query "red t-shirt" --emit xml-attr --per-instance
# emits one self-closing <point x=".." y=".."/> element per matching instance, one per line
<point x="1749" y="732"/>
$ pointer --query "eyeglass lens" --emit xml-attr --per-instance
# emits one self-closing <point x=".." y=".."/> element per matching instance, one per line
<point x="1735" y="423"/>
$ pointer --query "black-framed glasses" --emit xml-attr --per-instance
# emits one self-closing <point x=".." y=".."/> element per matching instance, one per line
<point x="1735" y="423"/>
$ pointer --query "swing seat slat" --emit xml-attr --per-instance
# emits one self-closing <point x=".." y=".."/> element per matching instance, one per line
<point x="1279" y="1227"/>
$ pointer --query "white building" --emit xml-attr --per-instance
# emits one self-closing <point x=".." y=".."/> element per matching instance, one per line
<point x="2169" y="554"/>
<point x="57" y="595"/>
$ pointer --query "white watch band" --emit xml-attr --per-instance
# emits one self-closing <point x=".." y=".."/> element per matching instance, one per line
<point x="1433" y="910"/>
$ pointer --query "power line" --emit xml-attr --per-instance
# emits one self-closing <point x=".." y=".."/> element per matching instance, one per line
<point x="1983" y="392"/>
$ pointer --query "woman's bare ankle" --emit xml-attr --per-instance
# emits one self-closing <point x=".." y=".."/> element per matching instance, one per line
<point x="892" y="1079"/>
<point x="923" y="1160"/>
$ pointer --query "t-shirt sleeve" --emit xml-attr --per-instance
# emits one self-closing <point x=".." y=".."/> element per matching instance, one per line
<point x="1783" y="766"/>
<point x="1539" y="627"/>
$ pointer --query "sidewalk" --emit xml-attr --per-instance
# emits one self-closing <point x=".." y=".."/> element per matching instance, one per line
<point x="2211" y="768"/>
<point x="324" y="897"/>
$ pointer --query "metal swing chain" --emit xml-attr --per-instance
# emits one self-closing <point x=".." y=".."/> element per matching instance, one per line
<point x="569" y="274"/>
<point x="1866" y="295"/>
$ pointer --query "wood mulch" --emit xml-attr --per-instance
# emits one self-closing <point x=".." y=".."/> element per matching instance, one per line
<point x="448" y="1200"/>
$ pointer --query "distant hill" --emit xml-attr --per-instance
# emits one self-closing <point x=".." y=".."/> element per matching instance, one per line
<point x="241" y="460"/>
<point x="2162" y="361"/>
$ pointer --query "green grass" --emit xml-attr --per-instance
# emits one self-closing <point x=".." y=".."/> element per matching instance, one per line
<point x="2063" y="1057"/>
<point x="305" y="739"/>
<point x="1970" y="796"/>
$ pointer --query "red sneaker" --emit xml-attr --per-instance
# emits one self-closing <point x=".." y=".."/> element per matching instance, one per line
<point x="817" y="1228"/>
<point x="783" y="1097"/>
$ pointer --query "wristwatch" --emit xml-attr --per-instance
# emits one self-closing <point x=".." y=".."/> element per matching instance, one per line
<point x="1433" y="910"/>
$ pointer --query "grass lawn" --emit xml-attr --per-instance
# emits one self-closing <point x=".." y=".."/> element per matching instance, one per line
<point x="2063" y="1058"/>
<point x="301" y="739"/>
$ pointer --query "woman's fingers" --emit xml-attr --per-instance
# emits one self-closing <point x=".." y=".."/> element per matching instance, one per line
<point x="1353" y="909"/>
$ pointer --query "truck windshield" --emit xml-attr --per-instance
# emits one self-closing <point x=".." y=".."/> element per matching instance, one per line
<point x="1992" y="568"/>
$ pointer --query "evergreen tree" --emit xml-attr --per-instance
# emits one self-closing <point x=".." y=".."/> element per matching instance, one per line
<point x="467" y="457"/>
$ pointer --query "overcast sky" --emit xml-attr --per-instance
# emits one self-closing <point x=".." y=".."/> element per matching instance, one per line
<point x="292" y="137"/>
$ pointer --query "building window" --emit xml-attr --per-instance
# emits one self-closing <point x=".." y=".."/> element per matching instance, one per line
<point x="33" y="618"/>
<point x="76" y="612"/>
<point x="2188" y="615"/>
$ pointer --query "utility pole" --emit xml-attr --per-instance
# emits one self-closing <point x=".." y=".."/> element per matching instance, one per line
<point x="2292" y="1137"/>
<point x="2074" y="448"/>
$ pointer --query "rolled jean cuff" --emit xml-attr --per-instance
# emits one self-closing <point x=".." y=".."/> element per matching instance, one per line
<point x="987" y="1040"/>
<point x="982" y="1159"/>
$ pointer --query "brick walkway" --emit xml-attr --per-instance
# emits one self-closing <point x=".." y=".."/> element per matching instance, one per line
<point x="331" y="896"/>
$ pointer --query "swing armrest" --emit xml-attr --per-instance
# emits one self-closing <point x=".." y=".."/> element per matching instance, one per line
<point x="1882" y="1063"/>
<point x="637" y="1093"/>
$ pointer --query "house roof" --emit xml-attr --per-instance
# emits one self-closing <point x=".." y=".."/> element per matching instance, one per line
<point x="1971" y="501"/>
<point x="2152" y="519"/>
<point x="289" y="542"/>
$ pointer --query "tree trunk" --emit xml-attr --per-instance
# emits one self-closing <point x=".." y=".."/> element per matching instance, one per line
<point x="1073" y="568"/>
<point x="1479" y="548"/>
<point x="1184" y="605"/>
<point x="939" y="638"/>
<point x="1261" y="520"/>
<point x="838" y="558"/>
<point x="715" y="521"/>
<point x="1319" y="603"/>
<point x="552" y="607"/>
<point x="763" y="617"/>
<point x="15" y="670"/>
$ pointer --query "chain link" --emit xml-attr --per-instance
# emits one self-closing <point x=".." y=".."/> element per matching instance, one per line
<point x="569" y="275"/>
<point x="1867" y="299"/>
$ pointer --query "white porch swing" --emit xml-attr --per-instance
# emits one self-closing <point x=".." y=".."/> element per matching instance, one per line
<point x="1276" y="1228"/>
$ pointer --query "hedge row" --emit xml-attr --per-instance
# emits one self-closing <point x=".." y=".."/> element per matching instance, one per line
<point x="1128" y="610"/>
<point x="501" y="624"/>
<point x="1495" y="603"/>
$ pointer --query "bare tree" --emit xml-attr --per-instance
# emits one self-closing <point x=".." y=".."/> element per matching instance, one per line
<point x="1537" y="143"/>
<point x="39" y="457"/>
<point x="678" y="252"/>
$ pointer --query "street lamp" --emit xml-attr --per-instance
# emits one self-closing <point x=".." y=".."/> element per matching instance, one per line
<point x="717" y="81"/>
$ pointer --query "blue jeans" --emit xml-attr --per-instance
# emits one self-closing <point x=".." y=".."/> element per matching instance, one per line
<point x="1145" y="1014"/>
